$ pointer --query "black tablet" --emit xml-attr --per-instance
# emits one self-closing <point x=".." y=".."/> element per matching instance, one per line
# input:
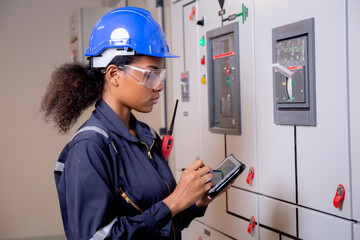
<point x="226" y="172"/>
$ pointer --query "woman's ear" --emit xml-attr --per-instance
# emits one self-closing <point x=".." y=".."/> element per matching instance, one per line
<point x="111" y="74"/>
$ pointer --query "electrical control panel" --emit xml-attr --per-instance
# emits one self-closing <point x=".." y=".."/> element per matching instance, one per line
<point x="82" y="22"/>
<point x="294" y="74"/>
<point x="224" y="79"/>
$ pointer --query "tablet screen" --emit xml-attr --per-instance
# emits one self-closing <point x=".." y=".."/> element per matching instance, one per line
<point x="223" y="170"/>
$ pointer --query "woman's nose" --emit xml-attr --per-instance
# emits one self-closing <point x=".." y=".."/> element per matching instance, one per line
<point x="159" y="87"/>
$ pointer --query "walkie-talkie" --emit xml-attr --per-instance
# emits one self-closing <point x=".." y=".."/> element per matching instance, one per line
<point x="167" y="140"/>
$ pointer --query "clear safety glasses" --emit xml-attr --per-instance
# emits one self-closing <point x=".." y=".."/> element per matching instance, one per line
<point x="146" y="77"/>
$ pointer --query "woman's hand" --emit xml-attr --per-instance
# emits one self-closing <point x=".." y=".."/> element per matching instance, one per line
<point x="205" y="199"/>
<point x="193" y="185"/>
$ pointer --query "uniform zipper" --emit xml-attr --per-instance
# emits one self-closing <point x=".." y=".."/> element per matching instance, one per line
<point x="149" y="149"/>
<point x="128" y="200"/>
<point x="150" y="157"/>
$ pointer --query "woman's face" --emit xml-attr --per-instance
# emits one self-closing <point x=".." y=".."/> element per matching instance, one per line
<point x="129" y="93"/>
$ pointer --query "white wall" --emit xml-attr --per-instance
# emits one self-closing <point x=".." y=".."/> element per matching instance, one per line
<point x="34" y="37"/>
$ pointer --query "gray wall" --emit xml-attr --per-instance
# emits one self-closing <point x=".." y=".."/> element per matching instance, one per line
<point x="34" y="37"/>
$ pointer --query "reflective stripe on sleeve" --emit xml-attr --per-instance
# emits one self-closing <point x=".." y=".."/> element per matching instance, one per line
<point x="96" y="129"/>
<point x="92" y="128"/>
<point x="103" y="232"/>
<point x="59" y="167"/>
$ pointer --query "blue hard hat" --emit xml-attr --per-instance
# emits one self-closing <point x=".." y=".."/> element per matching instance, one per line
<point x="128" y="27"/>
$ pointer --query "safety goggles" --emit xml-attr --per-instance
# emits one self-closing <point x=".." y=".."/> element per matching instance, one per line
<point x="146" y="77"/>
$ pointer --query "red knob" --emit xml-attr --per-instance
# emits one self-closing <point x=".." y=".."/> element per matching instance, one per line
<point x="203" y="60"/>
<point x="250" y="175"/>
<point x="192" y="14"/>
<point x="251" y="225"/>
<point x="339" y="195"/>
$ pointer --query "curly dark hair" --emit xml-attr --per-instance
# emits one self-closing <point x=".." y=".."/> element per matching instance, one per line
<point x="73" y="88"/>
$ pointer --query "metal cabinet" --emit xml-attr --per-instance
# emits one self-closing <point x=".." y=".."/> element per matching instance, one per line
<point x="187" y="143"/>
<point x="290" y="158"/>
<point x="244" y="146"/>
<point x="297" y="168"/>
<point x="323" y="160"/>
<point x="275" y="143"/>
<point x="212" y="149"/>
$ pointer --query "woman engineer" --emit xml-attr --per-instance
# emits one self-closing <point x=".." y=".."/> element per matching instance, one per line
<point x="111" y="178"/>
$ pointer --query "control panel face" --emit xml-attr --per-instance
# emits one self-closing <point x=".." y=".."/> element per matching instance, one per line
<point x="223" y="72"/>
<point x="291" y="54"/>
<point x="294" y="73"/>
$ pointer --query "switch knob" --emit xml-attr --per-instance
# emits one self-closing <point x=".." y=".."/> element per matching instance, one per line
<point x="250" y="175"/>
<point x="251" y="225"/>
<point x="339" y="195"/>
<point x="192" y="14"/>
<point x="287" y="73"/>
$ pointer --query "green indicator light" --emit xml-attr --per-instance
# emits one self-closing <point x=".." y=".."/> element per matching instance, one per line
<point x="284" y="98"/>
<point x="292" y="82"/>
<point x="293" y="98"/>
<point x="227" y="81"/>
<point x="202" y="41"/>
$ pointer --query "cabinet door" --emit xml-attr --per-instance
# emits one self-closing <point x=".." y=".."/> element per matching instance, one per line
<point x="241" y="203"/>
<point x="314" y="226"/>
<point x="195" y="231"/>
<point x="266" y="234"/>
<point x="234" y="226"/>
<point x="243" y="145"/>
<point x="277" y="215"/>
<point x="211" y="234"/>
<point x="275" y="143"/>
<point x="354" y="85"/>
<point x="187" y="124"/>
<point x="323" y="158"/>
<point x="212" y="144"/>
<point x="356" y="231"/>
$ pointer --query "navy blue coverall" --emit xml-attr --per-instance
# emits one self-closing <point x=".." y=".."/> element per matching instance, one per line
<point x="111" y="184"/>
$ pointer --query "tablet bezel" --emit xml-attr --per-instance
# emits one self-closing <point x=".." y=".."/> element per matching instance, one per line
<point x="228" y="178"/>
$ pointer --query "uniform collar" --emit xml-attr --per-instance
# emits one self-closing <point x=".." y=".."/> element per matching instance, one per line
<point x="112" y="122"/>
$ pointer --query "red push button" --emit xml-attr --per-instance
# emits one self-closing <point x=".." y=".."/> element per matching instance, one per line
<point x="203" y="60"/>
<point x="339" y="196"/>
